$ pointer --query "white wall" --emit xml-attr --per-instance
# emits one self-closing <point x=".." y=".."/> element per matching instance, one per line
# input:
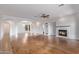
<point x="77" y="25"/>
<point x="17" y="27"/>
<point x="37" y="28"/>
<point x="52" y="28"/>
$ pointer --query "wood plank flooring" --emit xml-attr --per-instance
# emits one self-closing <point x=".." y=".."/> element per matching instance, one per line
<point x="38" y="44"/>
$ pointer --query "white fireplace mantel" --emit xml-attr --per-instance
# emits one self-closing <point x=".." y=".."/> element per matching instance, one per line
<point x="63" y="28"/>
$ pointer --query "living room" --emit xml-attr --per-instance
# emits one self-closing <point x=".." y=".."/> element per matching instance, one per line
<point x="39" y="28"/>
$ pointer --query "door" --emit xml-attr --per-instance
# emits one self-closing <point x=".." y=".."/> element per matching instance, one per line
<point x="5" y="26"/>
<point x="45" y="29"/>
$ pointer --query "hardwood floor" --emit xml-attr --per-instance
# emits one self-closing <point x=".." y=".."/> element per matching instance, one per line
<point x="38" y="44"/>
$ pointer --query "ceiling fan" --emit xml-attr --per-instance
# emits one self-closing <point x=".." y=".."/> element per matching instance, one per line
<point x="45" y="16"/>
<point x="42" y="16"/>
<point x="60" y="5"/>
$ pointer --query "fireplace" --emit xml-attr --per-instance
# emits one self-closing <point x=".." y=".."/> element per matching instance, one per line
<point x="62" y="33"/>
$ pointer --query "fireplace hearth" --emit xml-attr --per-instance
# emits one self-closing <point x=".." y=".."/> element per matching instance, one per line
<point x="62" y="33"/>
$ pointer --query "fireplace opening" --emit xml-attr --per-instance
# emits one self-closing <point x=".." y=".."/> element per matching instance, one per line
<point x="63" y="33"/>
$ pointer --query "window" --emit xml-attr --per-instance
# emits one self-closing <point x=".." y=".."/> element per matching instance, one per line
<point x="27" y="27"/>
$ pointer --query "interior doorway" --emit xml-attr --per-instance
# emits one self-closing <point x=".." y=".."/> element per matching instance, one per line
<point x="45" y="28"/>
<point x="6" y="28"/>
<point x="5" y="31"/>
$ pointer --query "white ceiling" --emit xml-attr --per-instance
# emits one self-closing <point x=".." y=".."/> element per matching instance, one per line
<point x="33" y="11"/>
